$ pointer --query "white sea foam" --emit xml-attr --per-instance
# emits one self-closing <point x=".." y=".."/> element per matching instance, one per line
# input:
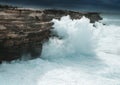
<point x="77" y="39"/>
<point x="84" y="56"/>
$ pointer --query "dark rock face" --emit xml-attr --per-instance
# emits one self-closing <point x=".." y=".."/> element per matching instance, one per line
<point x="23" y="31"/>
<point x="93" y="17"/>
<point x="24" y="52"/>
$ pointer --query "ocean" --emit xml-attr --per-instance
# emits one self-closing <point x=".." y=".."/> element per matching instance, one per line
<point x="82" y="54"/>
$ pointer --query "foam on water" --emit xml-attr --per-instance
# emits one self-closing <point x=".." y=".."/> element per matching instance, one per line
<point x="75" y="40"/>
<point x="83" y="55"/>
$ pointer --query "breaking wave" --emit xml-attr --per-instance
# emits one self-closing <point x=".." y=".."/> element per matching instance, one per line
<point x="81" y="54"/>
<point x="75" y="38"/>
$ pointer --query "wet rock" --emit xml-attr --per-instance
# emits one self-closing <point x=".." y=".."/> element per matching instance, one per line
<point x="23" y="31"/>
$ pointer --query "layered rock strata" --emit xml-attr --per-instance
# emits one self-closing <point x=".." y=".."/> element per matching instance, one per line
<point x="23" y="31"/>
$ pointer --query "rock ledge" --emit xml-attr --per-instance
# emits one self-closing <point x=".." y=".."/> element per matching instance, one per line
<point x="22" y="31"/>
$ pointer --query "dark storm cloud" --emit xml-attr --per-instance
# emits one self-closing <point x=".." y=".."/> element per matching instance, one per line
<point x="72" y="4"/>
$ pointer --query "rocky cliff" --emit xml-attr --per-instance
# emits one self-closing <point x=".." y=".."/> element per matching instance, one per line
<point x="22" y="31"/>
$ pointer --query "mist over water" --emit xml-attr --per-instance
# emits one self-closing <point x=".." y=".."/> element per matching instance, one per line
<point x="111" y="18"/>
<point x="81" y="55"/>
<point x="75" y="40"/>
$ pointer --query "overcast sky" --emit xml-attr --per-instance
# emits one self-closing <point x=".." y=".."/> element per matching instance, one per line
<point x="100" y="5"/>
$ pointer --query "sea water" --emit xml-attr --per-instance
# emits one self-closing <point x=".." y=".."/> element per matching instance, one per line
<point x="82" y="54"/>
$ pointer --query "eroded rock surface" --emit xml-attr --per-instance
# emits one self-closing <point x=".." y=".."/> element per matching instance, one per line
<point x="22" y="31"/>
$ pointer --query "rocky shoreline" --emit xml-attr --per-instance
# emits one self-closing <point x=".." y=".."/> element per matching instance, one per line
<point x="23" y="31"/>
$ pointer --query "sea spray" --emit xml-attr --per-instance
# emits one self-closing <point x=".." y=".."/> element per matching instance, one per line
<point x="77" y="39"/>
<point x="89" y="64"/>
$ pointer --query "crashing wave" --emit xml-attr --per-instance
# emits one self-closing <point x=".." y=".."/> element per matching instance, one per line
<point x="84" y="55"/>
